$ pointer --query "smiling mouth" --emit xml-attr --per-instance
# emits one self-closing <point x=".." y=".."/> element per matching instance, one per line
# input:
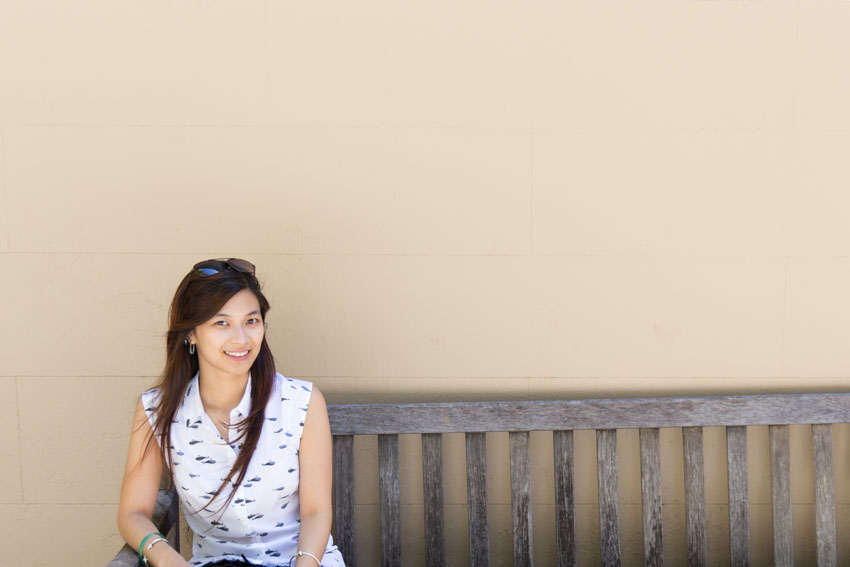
<point x="240" y="355"/>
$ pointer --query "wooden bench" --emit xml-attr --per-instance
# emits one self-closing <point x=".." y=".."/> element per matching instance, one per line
<point x="165" y="518"/>
<point x="475" y="419"/>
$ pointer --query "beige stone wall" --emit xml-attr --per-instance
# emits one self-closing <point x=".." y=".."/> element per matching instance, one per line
<point x="459" y="200"/>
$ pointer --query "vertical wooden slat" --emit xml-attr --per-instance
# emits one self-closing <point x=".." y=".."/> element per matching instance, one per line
<point x="565" y="515"/>
<point x="650" y="483"/>
<point x="739" y="510"/>
<point x="780" y="486"/>
<point x="824" y="494"/>
<point x="432" y="482"/>
<point x="694" y="495"/>
<point x="609" y="516"/>
<point x="390" y="495"/>
<point x="343" y="498"/>
<point x="476" y="495"/>
<point x="521" y="498"/>
<point x="172" y="517"/>
<point x="166" y="513"/>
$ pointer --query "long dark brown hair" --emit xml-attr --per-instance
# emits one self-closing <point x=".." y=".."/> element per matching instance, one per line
<point x="197" y="299"/>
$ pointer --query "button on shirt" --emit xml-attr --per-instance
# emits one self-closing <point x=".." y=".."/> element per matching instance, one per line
<point x="262" y="521"/>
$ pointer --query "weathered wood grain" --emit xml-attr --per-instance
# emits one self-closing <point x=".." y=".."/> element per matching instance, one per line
<point x="650" y="483"/>
<point x="609" y="515"/>
<point x="475" y="418"/>
<point x="588" y="414"/>
<point x="824" y="495"/>
<point x="432" y="482"/>
<point x="390" y="496"/>
<point x="565" y="515"/>
<point x="694" y="496"/>
<point x="476" y="495"/>
<point x="521" y="498"/>
<point x="780" y="486"/>
<point x="343" y="498"/>
<point x="739" y="510"/>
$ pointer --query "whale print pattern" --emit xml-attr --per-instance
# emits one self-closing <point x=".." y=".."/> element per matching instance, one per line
<point x="263" y="518"/>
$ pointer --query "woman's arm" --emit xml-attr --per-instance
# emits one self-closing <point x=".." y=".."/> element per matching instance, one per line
<point x="139" y="491"/>
<point x="315" y="478"/>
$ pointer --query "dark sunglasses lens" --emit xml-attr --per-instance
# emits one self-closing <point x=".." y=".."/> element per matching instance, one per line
<point x="207" y="271"/>
<point x="242" y="265"/>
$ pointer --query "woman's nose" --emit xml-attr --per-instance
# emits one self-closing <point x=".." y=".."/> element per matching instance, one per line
<point x="241" y="333"/>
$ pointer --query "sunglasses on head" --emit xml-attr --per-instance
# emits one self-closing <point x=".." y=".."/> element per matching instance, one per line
<point x="211" y="267"/>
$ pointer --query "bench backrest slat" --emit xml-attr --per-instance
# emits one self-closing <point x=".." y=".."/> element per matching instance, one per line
<point x="650" y="483"/>
<point x="343" y="497"/>
<point x="390" y="496"/>
<point x="565" y="517"/>
<point x="476" y="495"/>
<point x="432" y="489"/>
<point x="609" y="515"/>
<point x="694" y="495"/>
<point x="739" y="509"/>
<point x="521" y="498"/>
<point x="780" y="487"/>
<point x="824" y="494"/>
<point x="588" y="414"/>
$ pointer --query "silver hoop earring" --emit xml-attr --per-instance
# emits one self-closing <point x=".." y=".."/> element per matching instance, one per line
<point x="191" y="348"/>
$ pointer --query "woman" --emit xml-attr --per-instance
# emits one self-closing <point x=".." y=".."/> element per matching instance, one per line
<point x="249" y="451"/>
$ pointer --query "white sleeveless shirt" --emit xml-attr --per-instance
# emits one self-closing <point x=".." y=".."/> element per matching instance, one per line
<point x="262" y="521"/>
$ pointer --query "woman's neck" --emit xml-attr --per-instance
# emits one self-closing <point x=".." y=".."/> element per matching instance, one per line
<point x="221" y="393"/>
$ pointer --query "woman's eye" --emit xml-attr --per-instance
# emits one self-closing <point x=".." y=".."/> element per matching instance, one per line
<point x="221" y="323"/>
<point x="253" y="321"/>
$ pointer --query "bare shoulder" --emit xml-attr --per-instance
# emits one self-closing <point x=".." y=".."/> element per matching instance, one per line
<point x="317" y="399"/>
<point x="316" y="421"/>
<point x="140" y="416"/>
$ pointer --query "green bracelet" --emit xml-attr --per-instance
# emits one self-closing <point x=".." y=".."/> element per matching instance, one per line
<point x="142" y="545"/>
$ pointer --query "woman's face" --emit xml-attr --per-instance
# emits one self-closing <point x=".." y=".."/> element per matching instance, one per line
<point x="230" y="341"/>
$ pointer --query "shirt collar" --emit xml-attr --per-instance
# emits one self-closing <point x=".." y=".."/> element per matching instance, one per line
<point x="194" y="408"/>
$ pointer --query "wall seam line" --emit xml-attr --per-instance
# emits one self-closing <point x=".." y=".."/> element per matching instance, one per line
<point x="18" y="436"/>
<point x="531" y="211"/>
<point x="795" y="96"/>
<point x="636" y="378"/>
<point x="670" y="257"/>
<point x="5" y="190"/>
<point x="784" y="319"/>
<point x="267" y="67"/>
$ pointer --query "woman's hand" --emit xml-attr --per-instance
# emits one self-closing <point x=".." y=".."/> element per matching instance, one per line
<point x="163" y="555"/>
